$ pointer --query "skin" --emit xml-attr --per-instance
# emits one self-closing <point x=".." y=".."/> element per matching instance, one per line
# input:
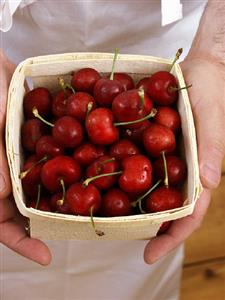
<point x="204" y="65"/>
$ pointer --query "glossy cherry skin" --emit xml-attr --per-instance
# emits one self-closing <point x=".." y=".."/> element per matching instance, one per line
<point x="142" y="83"/>
<point x="105" y="90"/>
<point x="158" y="138"/>
<point x="33" y="178"/>
<point x="169" y="117"/>
<point x="135" y="134"/>
<point x="77" y="105"/>
<point x="58" y="206"/>
<point x="125" y="79"/>
<point x="123" y="148"/>
<point x="86" y="153"/>
<point x="31" y="132"/>
<point x="47" y="146"/>
<point x="60" y="167"/>
<point x="176" y="169"/>
<point x="59" y="103"/>
<point x="100" y="128"/>
<point x="164" y="227"/>
<point x="163" y="198"/>
<point x="128" y="106"/>
<point x="85" y="79"/>
<point x="103" y="165"/>
<point x="82" y="198"/>
<point x="40" y="98"/>
<point x="137" y="174"/>
<point x="115" y="203"/>
<point x="68" y="132"/>
<point x="161" y="88"/>
<point x="42" y="205"/>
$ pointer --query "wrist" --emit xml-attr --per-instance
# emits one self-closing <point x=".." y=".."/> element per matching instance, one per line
<point x="209" y="42"/>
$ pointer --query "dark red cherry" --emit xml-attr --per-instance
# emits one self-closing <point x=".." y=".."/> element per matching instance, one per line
<point x="47" y="146"/>
<point x="158" y="138"/>
<point x="82" y="199"/>
<point x="164" y="198"/>
<point x="85" y="79"/>
<point x="123" y="148"/>
<point x="125" y="79"/>
<point x="40" y="98"/>
<point x="162" y="88"/>
<point x="115" y="203"/>
<point x="169" y="117"/>
<point x="86" y="153"/>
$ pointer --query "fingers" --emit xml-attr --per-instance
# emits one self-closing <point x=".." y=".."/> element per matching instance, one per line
<point x="14" y="237"/>
<point x="208" y="102"/>
<point x="178" y="232"/>
<point x="7" y="69"/>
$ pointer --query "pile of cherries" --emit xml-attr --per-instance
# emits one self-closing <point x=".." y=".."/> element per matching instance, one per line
<point x="103" y="145"/>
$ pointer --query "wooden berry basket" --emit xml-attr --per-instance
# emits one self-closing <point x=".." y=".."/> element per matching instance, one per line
<point x="44" y="71"/>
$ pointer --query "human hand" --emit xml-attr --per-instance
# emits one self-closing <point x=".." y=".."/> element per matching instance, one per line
<point x="12" y="225"/>
<point x="207" y="96"/>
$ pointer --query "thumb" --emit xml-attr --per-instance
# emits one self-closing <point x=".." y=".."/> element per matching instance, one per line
<point x="6" y="69"/>
<point x="207" y="98"/>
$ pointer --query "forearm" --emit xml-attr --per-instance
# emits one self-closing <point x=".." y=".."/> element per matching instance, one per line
<point x="209" y="42"/>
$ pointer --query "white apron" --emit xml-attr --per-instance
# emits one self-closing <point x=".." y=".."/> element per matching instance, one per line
<point x="89" y="270"/>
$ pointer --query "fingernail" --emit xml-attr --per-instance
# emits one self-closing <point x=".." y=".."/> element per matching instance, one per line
<point x="2" y="183"/>
<point x="211" y="175"/>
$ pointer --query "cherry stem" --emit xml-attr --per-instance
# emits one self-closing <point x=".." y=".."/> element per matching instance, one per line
<point x="88" y="180"/>
<point x="38" y="196"/>
<point x="89" y="108"/>
<point x="166" y="182"/>
<point x="138" y="201"/>
<point x="151" y="115"/>
<point x="108" y="160"/>
<point x="61" y="201"/>
<point x="98" y="232"/>
<point x="114" y="63"/>
<point x="141" y="93"/>
<point x="24" y="173"/>
<point x="65" y="86"/>
<point x="173" y="88"/>
<point x="36" y="114"/>
<point x="178" y="54"/>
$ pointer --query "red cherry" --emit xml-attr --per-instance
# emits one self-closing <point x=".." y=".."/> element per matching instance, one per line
<point x="136" y="134"/>
<point x="86" y="153"/>
<point x="162" y="88"/>
<point x="142" y="83"/>
<point x="31" y="132"/>
<point x="47" y="146"/>
<point x="169" y="117"/>
<point x="60" y="168"/>
<point x="40" y="98"/>
<point x="77" y="105"/>
<point x="59" y="102"/>
<point x="164" y="227"/>
<point x="85" y="79"/>
<point x="31" y="175"/>
<point x="137" y="174"/>
<point x="158" y="138"/>
<point x="99" y="125"/>
<point x="59" y="205"/>
<point x="106" y="90"/>
<point x="164" y="198"/>
<point x="103" y="165"/>
<point x="67" y="132"/>
<point x="125" y="79"/>
<point x="115" y="203"/>
<point x="82" y="199"/>
<point x="129" y="106"/>
<point x="176" y="169"/>
<point x="122" y="149"/>
<point x="42" y="205"/>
